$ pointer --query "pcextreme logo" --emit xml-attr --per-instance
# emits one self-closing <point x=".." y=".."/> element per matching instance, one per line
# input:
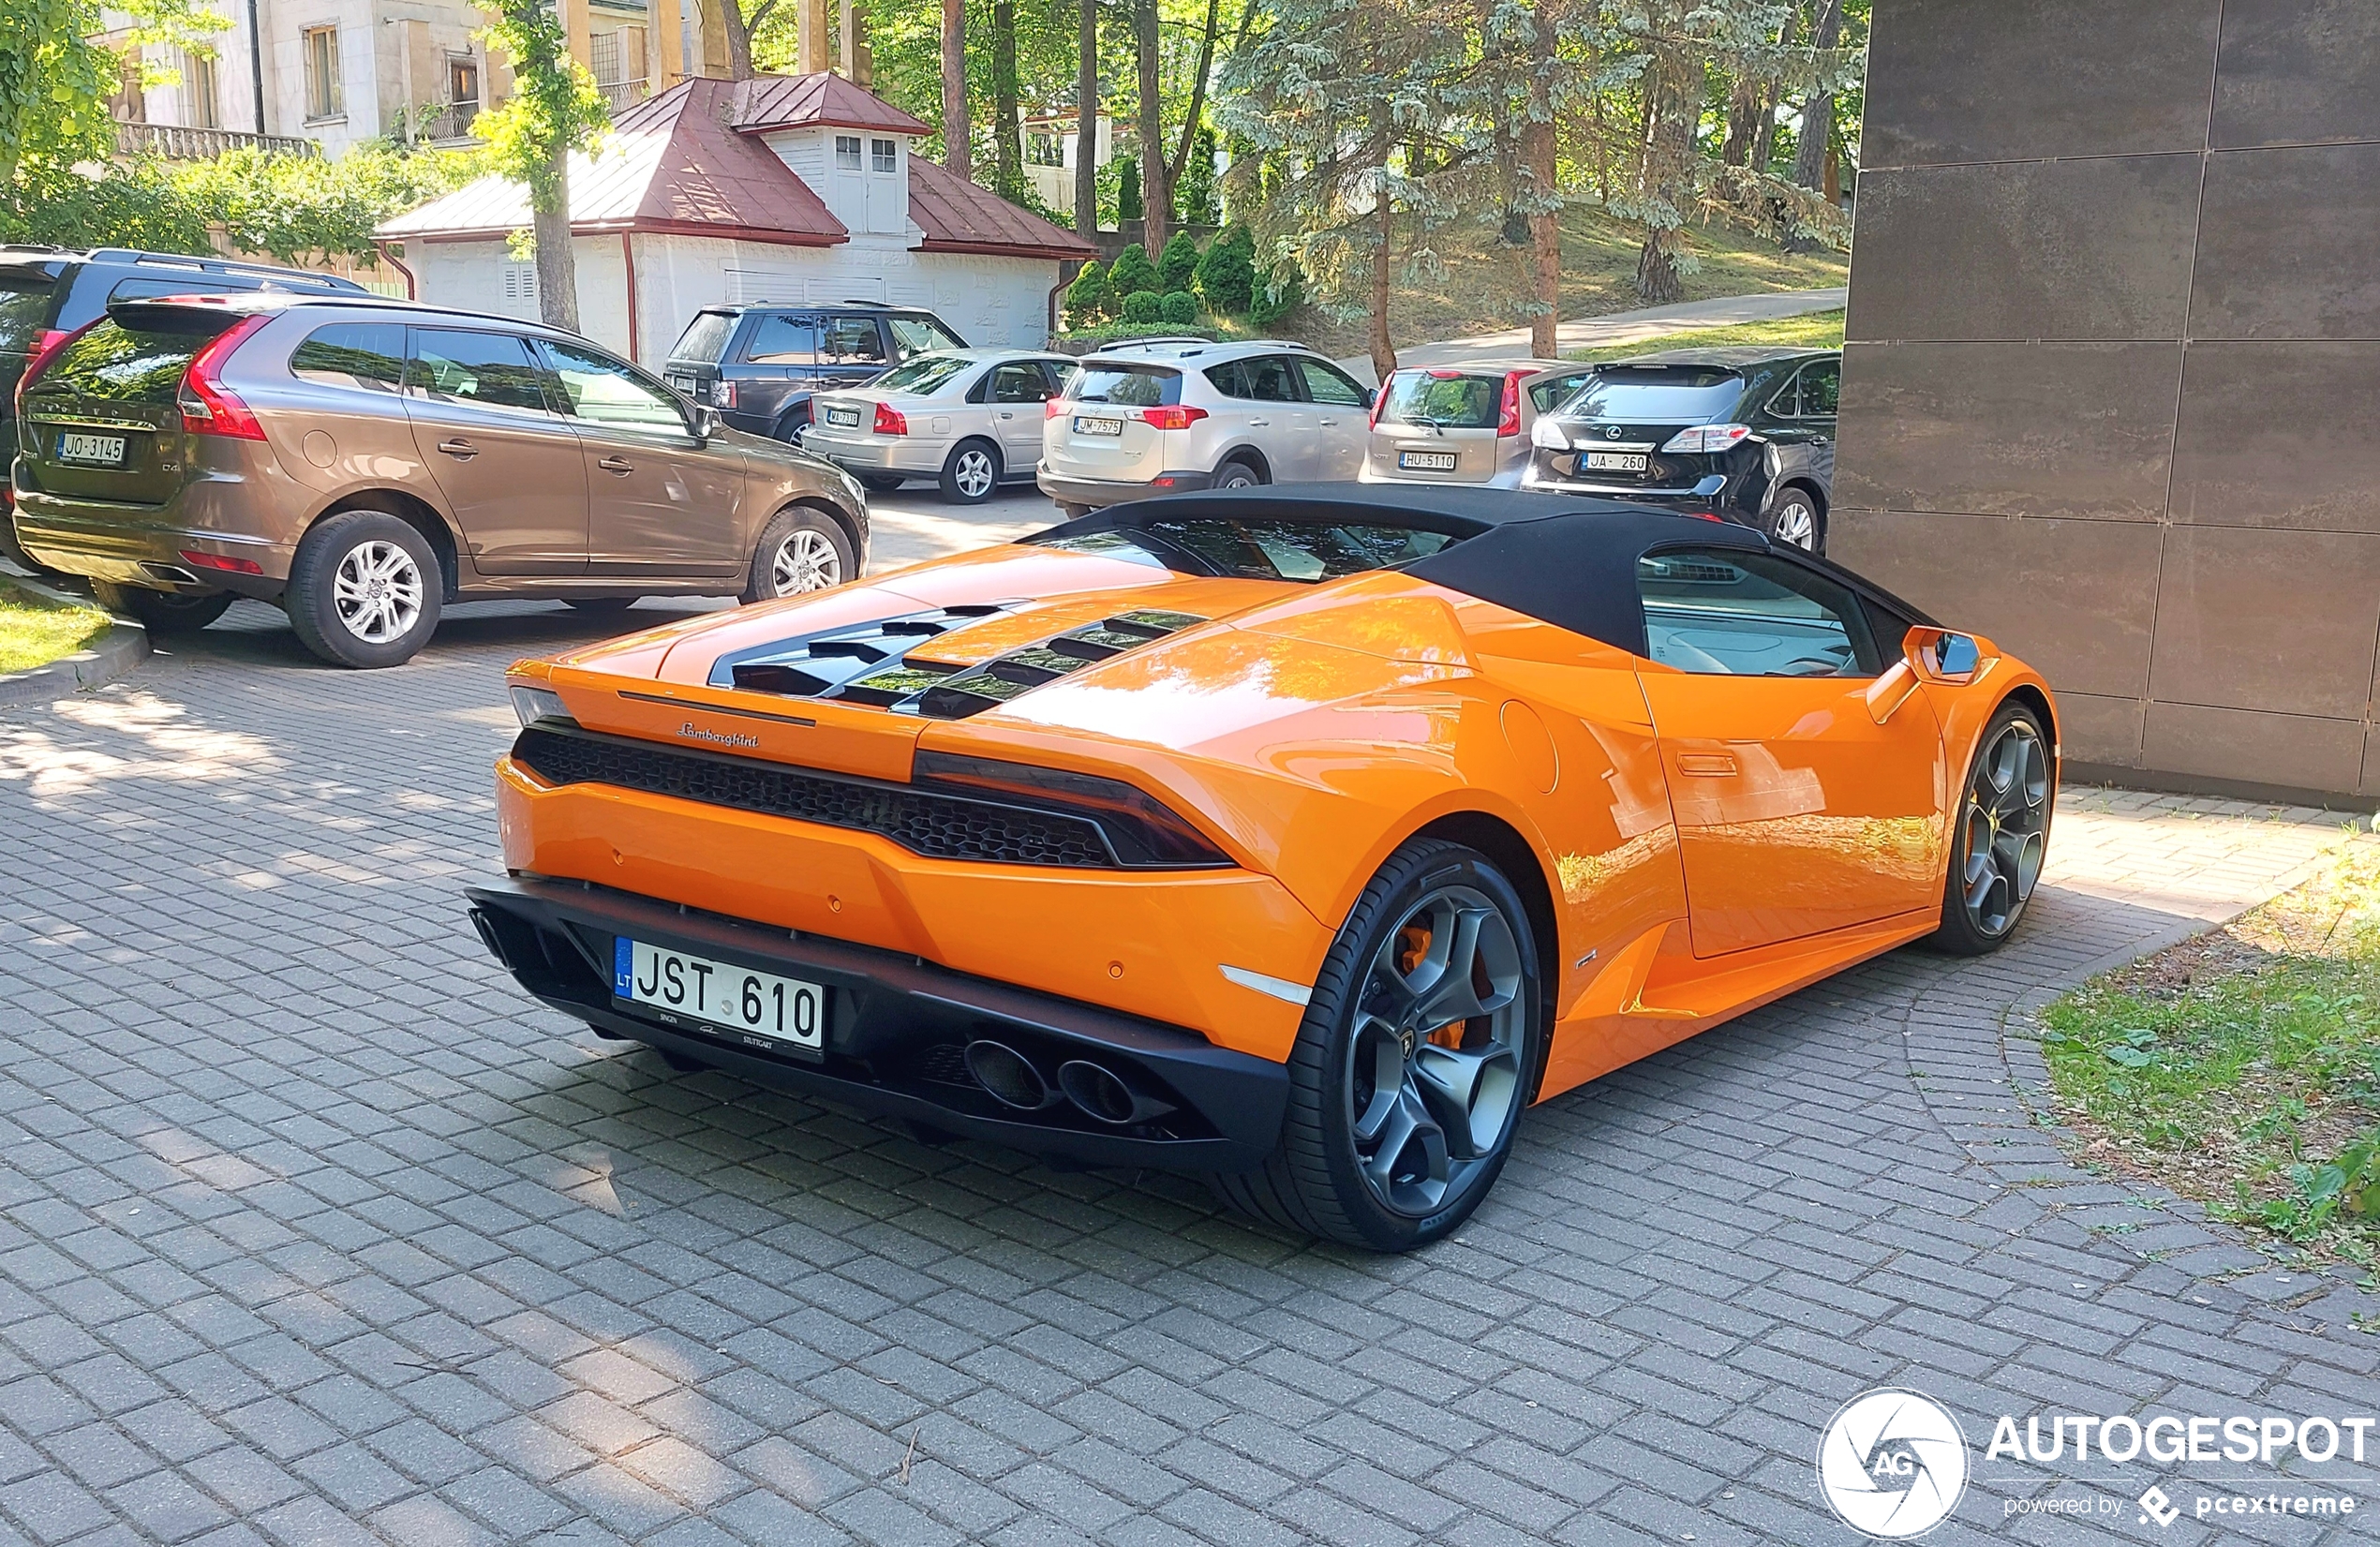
<point x="1892" y="1464"/>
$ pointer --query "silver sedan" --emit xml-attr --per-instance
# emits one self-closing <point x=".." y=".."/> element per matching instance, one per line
<point x="967" y="418"/>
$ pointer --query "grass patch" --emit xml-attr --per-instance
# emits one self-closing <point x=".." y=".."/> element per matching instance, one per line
<point x="2243" y="1068"/>
<point x="1818" y="330"/>
<point x="34" y="633"/>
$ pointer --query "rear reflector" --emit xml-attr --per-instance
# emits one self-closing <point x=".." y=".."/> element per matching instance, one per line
<point x="221" y="561"/>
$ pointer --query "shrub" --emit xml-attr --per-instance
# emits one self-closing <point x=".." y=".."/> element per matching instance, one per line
<point x="1179" y="306"/>
<point x="1177" y="263"/>
<point x="1144" y="307"/>
<point x="1278" y="297"/>
<point x="1226" y="275"/>
<point x="1088" y="298"/>
<point x="1132" y="271"/>
<point x="1128" y="205"/>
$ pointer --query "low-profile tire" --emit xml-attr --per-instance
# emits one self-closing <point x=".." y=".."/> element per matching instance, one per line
<point x="970" y="473"/>
<point x="364" y="590"/>
<point x="883" y="483"/>
<point x="801" y="550"/>
<point x="2000" y="835"/>
<point x="163" y="612"/>
<point x="1440" y="931"/>
<point x="603" y="607"/>
<point x="1237" y="474"/>
<point x="1794" y="520"/>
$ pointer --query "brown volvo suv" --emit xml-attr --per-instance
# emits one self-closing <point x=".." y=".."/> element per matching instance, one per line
<point x="362" y="462"/>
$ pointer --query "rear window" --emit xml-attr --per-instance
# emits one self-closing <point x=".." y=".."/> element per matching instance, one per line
<point x="925" y="375"/>
<point x="120" y="366"/>
<point x="1131" y="386"/>
<point x="706" y="337"/>
<point x="1443" y="401"/>
<point x="917" y="334"/>
<point x="1653" y="394"/>
<point x="1255" y="550"/>
<point x="24" y="311"/>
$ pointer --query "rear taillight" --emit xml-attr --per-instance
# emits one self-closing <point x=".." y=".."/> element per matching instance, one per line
<point x="1052" y="407"/>
<point x="722" y="395"/>
<point x="1707" y="437"/>
<point x="1144" y="832"/>
<point x="1507" y="414"/>
<point x="46" y="344"/>
<point x="1380" y="399"/>
<point x="890" y="421"/>
<point x="1173" y="416"/>
<point x="208" y="407"/>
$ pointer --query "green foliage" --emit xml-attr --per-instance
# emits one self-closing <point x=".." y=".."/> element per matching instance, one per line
<point x="1278" y="296"/>
<point x="1227" y="272"/>
<point x="555" y="108"/>
<point x="1124" y="333"/>
<point x="1132" y="271"/>
<point x="1179" y="307"/>
<point x="1144" y="307"/>
<point x="1088" y="298"/>
<point x="1178" y="262"/>
<point x="1194" y="197"/>
<point x="1128" y="191"/>
<point x="133" y="204"/>
<point x="56" y="72"/>
<point x="303" y="208"/>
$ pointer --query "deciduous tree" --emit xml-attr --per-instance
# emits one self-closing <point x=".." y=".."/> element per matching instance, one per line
<point x="555" y="108"/>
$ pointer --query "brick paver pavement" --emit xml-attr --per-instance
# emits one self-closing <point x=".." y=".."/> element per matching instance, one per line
<point x="318" y="1231"/>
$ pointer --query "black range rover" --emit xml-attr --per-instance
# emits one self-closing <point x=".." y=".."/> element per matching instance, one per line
<point x="1746" y="434"/>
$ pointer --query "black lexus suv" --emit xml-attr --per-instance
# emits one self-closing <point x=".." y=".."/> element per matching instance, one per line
<point x="48" y="292"/>
<point x="759" y="362"/>
<point x="1746" y="435"/>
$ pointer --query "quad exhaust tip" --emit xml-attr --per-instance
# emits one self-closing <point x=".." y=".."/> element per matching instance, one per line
<point x="1096" y="1090"/>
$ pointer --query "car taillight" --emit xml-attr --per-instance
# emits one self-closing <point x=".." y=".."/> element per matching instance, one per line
<point x="890" y="421"/>
<point x="1508" y="412"/>
<point x="225" y="562"/>
<point x="1173" y="416"/>
<point x="1380" y="399"/>
<point x="1144" y="832"/>
<point x="208" y="407"/>
<point x="1052" y="407"/>
<point x="1707" y="437"/>
<point x="722" y="395"/>
<point x="46" y="344"/>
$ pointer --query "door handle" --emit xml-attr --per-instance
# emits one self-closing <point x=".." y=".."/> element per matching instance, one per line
<point x="1258" y="424"/>
<point x="458" y="448"/>
<point x="1707" y="765"/>
<point x="618" y="464"/>
<point x="1006" y="414"/>
<point x="1330" y="422"/>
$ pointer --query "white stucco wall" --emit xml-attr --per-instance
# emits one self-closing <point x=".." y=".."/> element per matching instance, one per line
<point x="987" y="300"/>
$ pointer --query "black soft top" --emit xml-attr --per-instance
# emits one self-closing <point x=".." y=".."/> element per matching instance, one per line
<point x="1569" y="560"/>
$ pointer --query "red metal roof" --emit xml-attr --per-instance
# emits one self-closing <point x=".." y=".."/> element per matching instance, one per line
<point x="958" y="217"/>
<point x="670" y="163"/>
<point x="810" y="102"/>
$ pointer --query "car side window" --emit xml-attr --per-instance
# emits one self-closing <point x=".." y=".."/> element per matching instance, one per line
<point x="1722" y="612"/>
<point x="361" y="356"/>
<point x="848" y="340"/>
<point x="1269" y="380"/>
<point x="1821" y="388"/>
<point x="919" y="335"/>
<point x="1059" y="373"/>
<point x="1021" y="383"/>
<point x="1329" y="384"/>
<point x="1230" y="378"/>
<point x="779" y="340"/>
<point x="1551" y="394"/>
<point x="601" y="391"/>
<point x="489" y="369"/>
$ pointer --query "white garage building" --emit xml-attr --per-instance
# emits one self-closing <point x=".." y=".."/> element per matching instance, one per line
<point x="791" y="189"/>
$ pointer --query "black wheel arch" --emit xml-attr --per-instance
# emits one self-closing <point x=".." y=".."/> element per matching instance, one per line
<point x="423" y="517"/>
<point x="2038" y="701"/>
<point x="854" y="526"/>
<point x="1248" y="455"/>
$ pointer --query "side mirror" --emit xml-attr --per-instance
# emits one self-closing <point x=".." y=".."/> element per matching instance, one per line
<point x="707" y="423"/>
<point x="1945" y="655"/>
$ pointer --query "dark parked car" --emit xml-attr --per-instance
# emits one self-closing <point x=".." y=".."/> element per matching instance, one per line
<point x="758" y="364"/>
<point x="1744" y="433"/>
<point x="48" y="292"/>
<point x="363" y="462"/>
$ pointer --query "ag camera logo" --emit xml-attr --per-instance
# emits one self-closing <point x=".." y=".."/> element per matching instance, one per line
<point x="1892" y="1464"/>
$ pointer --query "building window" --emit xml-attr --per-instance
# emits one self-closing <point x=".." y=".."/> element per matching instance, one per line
<point x="462" y="92"/>
<point x="1043" y="149"/>
<point x="200" y="107"/>
<point x="324" y="96"/>
<point x="847" y="152"/>
<point x="886" y="153"/>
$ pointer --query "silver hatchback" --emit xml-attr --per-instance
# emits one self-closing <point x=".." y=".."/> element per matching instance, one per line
<point x="1465" y="425"/>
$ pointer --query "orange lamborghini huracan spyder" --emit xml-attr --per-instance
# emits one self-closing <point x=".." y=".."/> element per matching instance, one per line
<point x="1300" y="837"/>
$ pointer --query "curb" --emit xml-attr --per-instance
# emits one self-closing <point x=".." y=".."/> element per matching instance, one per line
<point x="124" y="645"/>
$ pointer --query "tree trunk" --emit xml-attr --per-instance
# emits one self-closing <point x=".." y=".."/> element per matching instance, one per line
<point x="1198" y="93"/>
<point x="1673" y="108"/>
<point x="1743" y="106"/>
<point x="1383" y="351"/>
<point x="1087" y="123"/>
<point x="958" y="151"/>
<point x="1537" y="152"/>
<point x="740" y="42"/>
<point x="1008" y="149"/>
<point x="1764" y="138"/>
<point x="1832" y="186"/>
<point x="1156" y="194"/>
<point x="1818" y="113"/>
<point x="556" y="266"/>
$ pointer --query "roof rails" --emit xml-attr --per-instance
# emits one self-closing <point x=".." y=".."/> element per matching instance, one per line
<point x="219" y="265"/>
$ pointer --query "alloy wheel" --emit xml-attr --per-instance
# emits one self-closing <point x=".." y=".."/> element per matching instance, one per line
<point x="973" y="474"/>
<point x="2006" y="828"/>
<point x="805" y="561"/>
<point x="1433" y="1064"/>
<point x="377" y="590"/>
<point x="1797" y="523"/>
